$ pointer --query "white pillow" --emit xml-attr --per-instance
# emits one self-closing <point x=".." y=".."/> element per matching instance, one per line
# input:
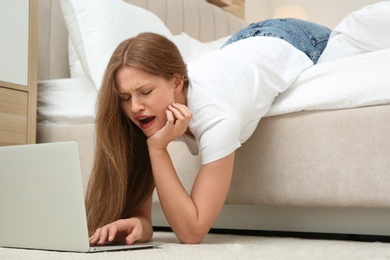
<point x="362" y="31"/>
<point x="66" y="101"/>
<point x="75" y="67"/>
<point x="96" y="27"/>
<point x="191" y="48"/>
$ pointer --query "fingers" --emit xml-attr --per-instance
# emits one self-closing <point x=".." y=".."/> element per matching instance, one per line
<point x="127" y="231"/>
<point x="170" y="117"/>
<point x="178" y="119"/>
<point x="179" y="115"/>
<point x="103" y="235"/>
<point x="96" y="237"/>
<point x="135" y="235"/>
<point x="180" y="111"/>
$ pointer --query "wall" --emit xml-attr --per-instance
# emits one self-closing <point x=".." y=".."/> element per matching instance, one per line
<point x="14" y="31"/>
<point x="326" y="12"/>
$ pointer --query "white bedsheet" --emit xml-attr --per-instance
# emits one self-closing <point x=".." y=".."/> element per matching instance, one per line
<point x="357" y="81"/>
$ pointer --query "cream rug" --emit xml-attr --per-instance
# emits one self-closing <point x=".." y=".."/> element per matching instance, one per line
<point x="217" y="246"/>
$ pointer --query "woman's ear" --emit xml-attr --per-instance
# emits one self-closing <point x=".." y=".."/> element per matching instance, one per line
<point x="178" y="81"/>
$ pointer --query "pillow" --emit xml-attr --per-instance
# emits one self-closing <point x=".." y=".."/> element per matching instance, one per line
<point x="75" y="67"/>
<point x="96" y="27"/>
<point x="66" y="101"/>
<point x="362" y="31"/>
<point x="190" y="49"/>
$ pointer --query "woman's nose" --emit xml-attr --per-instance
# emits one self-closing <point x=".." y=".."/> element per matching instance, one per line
<point x="137" y="105"/>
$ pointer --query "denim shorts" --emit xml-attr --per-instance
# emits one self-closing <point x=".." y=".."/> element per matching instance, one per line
<point x="307" y="37"/>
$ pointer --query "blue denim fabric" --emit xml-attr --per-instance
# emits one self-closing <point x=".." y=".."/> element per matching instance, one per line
<point x="308" y="37"/>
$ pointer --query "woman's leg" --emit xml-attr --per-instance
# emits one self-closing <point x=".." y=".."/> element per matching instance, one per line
<point x="308" y="37"/>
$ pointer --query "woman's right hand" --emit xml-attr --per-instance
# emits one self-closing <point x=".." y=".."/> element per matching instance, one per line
<point x="121" y="231"/>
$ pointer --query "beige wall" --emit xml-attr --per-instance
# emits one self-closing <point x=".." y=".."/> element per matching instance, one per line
<point x="326" y="12"/>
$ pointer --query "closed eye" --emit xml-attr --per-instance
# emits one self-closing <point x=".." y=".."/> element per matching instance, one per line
<point x="125" y="97"/>
<point x="145" y="93"/>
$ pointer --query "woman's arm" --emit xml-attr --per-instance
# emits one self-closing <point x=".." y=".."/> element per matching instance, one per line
<point x="191" y="216"/>
<point x="138" y="228"/>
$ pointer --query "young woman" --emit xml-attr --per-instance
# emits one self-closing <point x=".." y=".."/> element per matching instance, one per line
<point x="148" y="99"/>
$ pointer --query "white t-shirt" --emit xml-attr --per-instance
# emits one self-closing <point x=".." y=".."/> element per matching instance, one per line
<point x="232" y="88"/>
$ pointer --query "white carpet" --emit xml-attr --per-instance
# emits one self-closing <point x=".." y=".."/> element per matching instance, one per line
<point x="227" y="247"/>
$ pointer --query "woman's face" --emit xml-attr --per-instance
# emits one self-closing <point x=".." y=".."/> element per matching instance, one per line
<point x="145" y="98"/>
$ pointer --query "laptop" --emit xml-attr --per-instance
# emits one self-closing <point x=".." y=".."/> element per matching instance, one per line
<point x="42" y="200"/>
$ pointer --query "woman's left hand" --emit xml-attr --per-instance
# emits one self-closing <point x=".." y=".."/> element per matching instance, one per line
<point x="178" y="119"/>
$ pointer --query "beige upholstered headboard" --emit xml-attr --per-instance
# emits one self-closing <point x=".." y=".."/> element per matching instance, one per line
<point x="197" y="18"/>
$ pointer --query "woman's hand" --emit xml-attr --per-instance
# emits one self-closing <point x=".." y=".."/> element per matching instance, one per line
<point x="121" y="231"/>
<point x="178" y="119"/>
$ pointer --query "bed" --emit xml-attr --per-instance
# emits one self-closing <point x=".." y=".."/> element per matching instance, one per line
<point x="317" y="162"/>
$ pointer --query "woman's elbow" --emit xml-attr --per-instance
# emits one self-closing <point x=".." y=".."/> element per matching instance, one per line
<point x="192" y="238"/>
<point x="191" y="241"/>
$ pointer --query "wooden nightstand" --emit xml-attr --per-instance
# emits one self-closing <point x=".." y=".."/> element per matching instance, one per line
<point x="18" y="71"/>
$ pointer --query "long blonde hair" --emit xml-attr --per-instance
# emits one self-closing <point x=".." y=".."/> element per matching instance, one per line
<point x="122" y="178"/>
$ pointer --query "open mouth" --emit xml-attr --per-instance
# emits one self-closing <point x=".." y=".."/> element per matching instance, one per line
<point x="146" y="122"/>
